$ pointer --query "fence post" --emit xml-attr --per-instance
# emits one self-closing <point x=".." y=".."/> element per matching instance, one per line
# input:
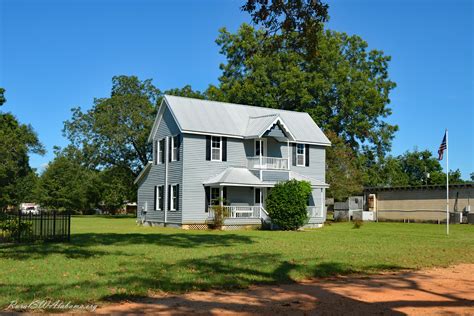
<point x="19" y="225"/>
<point x="68" y="226"/>
<point x="54" y="224"/>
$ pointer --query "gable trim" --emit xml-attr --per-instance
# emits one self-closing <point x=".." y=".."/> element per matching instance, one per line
<point x="159" y="116"/>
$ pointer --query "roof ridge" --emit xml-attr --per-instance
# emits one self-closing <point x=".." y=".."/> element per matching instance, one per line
<point x="266" y="115"/>
<point x="239" y="104"/>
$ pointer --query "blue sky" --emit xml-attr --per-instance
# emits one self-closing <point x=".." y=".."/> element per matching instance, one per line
<point x="55" y="55"/>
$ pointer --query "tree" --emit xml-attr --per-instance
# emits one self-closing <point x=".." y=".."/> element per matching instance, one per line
<point x="280" y="17"/>
<point x="343" y="171"/>
<point x="17" y="141"/>
<point x="115" y="188"/>
<point x="67" y="186"/>
<point x="345" y="88"/>
<point x="114" y="131"/>
<point x="2" y="96"/>
<point x="287" y="204"/>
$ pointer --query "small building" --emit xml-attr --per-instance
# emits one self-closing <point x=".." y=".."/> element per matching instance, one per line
<point x="420" y="203"/>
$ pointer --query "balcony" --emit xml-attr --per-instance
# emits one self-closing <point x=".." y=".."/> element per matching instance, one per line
<point x="267" y="163"/>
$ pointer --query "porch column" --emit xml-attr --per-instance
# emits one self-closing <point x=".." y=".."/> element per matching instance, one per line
<point x="260" y="145"/>
<point x="322" y="202"/>
<point x="288" y="150"/>
<point x="221" y="196"/>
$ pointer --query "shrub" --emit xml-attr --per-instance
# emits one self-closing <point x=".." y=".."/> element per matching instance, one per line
<point x="358" y="224"/>
<point x="12" y="227"/>
<point x="287" y="204"/>
<point x="220" y="214"/>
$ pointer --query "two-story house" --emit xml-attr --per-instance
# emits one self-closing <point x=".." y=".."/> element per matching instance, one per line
<point x="207" y="152"/>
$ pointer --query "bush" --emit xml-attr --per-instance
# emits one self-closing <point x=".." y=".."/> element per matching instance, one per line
<point x="220" y="214"/>
<point x="358" y="224"/>
<point x="287" y="204"/>
<point x="12" y="227"/>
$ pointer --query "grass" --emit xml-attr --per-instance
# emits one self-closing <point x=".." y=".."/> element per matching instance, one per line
<point x="112" y="258"/>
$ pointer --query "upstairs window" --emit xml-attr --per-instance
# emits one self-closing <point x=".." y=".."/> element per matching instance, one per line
<point x="174" y="148"/>
<point x="161" y="151"/>
<point x="300" y="154"/>
<point x="216" y="148"/>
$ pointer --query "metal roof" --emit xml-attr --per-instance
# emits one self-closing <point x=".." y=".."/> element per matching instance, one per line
<point x="239" y="176"/>
<point x="237" y="120"/>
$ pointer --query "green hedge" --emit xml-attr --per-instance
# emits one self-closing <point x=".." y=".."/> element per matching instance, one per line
<point x="287" y="204"/>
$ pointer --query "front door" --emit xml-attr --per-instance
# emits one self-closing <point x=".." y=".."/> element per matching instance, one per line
<point x="260" y="196"/>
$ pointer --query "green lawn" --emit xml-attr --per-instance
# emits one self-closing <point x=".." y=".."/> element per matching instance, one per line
<point x="112" y="258"/>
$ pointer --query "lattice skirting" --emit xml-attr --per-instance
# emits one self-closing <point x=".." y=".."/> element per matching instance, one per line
<point x="195" y="227"/>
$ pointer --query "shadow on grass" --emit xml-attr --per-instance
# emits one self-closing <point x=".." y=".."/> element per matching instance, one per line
<point x="84" y="245"/>
<point x="230" y="272"/>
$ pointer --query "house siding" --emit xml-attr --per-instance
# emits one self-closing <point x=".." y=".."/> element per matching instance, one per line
<point x="156" y="176"/>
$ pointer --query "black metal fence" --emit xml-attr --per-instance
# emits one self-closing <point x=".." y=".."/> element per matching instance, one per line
<point x="44" y="226"/>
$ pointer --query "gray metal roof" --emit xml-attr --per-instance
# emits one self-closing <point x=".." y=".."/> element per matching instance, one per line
<point x="237" y="120"/>
<point x="239" y="176"/>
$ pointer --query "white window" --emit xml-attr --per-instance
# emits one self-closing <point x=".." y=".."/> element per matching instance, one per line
<point x="174" y="148"/>
<point x="161" y="151"/>
<point x="214" y="198"/>
<point x="260" y="147"/>
<point x="300" y="154"/>
<point x="174" y="198"/>
<point x="159" y="198"/>
<point x="216" y="148"/>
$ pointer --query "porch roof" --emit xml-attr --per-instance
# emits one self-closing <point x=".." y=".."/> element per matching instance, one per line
<point x="234" y="176"/>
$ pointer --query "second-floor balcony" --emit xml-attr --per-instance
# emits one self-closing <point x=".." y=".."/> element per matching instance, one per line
<point x="268" y="163"/>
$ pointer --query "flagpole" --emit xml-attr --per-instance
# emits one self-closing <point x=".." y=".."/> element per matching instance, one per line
<point x="447" y="184"/>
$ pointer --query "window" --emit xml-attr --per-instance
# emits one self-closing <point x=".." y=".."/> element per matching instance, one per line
<point x="216" y="148"/>
<point x="174" y="197"/>
<point x="214" y="198"/>
<point x="260" y="147"/>
<point x="174" y="148"/>
<point x="300" y="154"/>
<point x="161" y="151"/>
<point x="159" y="198"/>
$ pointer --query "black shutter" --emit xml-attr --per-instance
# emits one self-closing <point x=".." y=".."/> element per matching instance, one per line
<point x="178" y="140"/>
<point x="207" y="191"/>
<point x="177" y="198"/>
<point x="162" y="197"/>
<point x="294" y="154"/>
<point x="208" y="147"/>
<point x="224" y="195"/>
<point x="224" y="148"/>
<point x="155" y="150"/>
<point x="306" y="152"/>
<point x="169" y="197"/>
<point x="162" y="147"/>
<point x="154" y="199"/>
<point x="169" y="148"/>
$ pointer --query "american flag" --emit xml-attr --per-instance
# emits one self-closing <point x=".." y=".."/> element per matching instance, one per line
<point x="442" y="148"/>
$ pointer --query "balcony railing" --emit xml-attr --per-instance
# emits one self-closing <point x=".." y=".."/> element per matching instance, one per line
<point x="270" y="163"/>
<point x="240" y="211"/>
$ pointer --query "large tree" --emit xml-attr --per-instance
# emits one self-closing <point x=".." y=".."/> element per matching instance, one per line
<point x="114" y="131"/>
<point x="17" y="141"/>
<point x="345" y="87"/>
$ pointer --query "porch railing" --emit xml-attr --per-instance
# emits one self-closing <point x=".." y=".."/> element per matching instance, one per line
<point x="271" y="163"/>
<point x="315" y="211"/>
<point x="239" y="211"/>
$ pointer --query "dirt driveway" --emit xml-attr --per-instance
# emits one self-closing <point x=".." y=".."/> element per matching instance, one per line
<point x="440" y="291"/>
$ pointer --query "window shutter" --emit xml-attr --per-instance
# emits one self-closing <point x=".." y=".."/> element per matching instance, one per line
<point x="169" y="148"/>
<point x="169" y="197"/>
<point x="154" y="199"/>
<point x="208" y="147"/>
<point x="162" y="146"/>
<point x="294" y="155"/>
<point x="162" y="197"/>
<point x="207" y="191"/>
<point x="224" y="148"/>
<point x="178" y="140"/>
<point x="155" y="150"/>
<point x="306" y="152"/>
<point x="224" y="195"/>
<point x="177" y="197"/>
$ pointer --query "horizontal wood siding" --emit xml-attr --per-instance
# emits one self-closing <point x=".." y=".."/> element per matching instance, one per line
<point x="240" y="195"/>
<point x="156" y="176"/>
<point x="197" y="169"/>
<point x="317" y="164"/>
<point x="277" y="176"/>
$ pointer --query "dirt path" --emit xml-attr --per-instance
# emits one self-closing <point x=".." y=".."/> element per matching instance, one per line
<point x="440" y="291"/>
